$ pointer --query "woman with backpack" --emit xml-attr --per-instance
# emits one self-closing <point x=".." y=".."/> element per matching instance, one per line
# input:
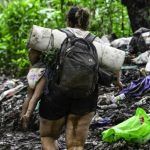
<point x="58" y="110"/>
<point x="65" y="105"/>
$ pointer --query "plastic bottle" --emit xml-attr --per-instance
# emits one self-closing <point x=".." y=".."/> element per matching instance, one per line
<point x="118" y="98"/>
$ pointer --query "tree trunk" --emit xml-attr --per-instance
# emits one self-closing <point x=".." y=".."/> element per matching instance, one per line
<point x="139" y="13"/>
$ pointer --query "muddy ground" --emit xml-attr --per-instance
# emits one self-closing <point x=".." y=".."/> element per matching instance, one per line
<point x="14" y="138"/>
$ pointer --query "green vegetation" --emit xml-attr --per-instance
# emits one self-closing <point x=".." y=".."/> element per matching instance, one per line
<point x="18" y="16"/>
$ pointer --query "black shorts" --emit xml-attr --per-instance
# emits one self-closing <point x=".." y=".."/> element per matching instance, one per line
<point x="56" y="105"/>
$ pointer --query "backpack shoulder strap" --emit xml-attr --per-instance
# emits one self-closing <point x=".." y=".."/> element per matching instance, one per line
<point x="69" y="33"/>
<point x="90" y="37"/>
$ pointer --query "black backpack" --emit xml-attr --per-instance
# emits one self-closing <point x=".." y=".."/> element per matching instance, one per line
<point x="76" y="69"/>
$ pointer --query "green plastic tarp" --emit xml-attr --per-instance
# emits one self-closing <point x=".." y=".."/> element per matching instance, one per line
<point x="134" y="129"/>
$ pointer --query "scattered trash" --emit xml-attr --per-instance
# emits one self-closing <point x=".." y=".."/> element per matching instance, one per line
<point x="99" y="121"/>
<point x="11" y="92"/>
<point x="108" y="114"/>
<point x="142" y="58"/>
<point x="143" y="101"/>
<point x="121" y="43"/>
<point x="117" y="99"/>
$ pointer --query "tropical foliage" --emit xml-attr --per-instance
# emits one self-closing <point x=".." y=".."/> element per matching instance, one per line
<point x="18" y="16"/>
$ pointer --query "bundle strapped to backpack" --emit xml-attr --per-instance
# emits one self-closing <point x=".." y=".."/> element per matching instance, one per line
<point x="76" y="69"/>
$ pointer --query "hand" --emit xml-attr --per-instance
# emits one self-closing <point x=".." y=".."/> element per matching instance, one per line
<point x="25" y="121"/>
<point x="120" y="85"/>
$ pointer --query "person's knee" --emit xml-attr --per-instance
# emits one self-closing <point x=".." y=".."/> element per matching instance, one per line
<point x="49" y="143"/>
<point x="75" y="145"/>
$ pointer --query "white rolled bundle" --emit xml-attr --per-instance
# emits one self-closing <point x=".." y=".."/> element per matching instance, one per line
<point x="44" y="39"/>
<point x="113" y="58"/>
<point x="110" y="57"/>
<point x="40" y="38"/>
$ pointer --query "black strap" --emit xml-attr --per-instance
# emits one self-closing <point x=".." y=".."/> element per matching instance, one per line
<point x="90" y="37"/>
<point x="69" y="33"/>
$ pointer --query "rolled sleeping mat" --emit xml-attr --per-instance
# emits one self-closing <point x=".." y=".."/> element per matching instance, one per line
<point x="40" y="38"/>
<point x="43" y="39"/>
<point x="113" y="58"/>
<point x="109" y="57"/>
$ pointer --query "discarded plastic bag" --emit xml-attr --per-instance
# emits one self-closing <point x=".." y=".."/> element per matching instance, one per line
<point x="134" y="129"/>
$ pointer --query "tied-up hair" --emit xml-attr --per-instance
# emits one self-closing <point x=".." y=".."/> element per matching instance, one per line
<point x="79" y="17"/>
<point x="82" y="16"/>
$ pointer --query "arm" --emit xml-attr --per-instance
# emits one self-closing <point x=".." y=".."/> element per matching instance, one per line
<point x="36" y="95"/>
<point x="26" y="102"/>
<point x="117" y="81"/>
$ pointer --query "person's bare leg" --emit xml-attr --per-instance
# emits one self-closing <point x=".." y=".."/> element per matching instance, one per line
<point x="77" y="130"/>
<point x="49" y="132"/>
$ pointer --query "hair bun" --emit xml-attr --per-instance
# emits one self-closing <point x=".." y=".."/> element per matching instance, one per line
<point x="79" y="13"/>
<point x="79" y="17"/>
